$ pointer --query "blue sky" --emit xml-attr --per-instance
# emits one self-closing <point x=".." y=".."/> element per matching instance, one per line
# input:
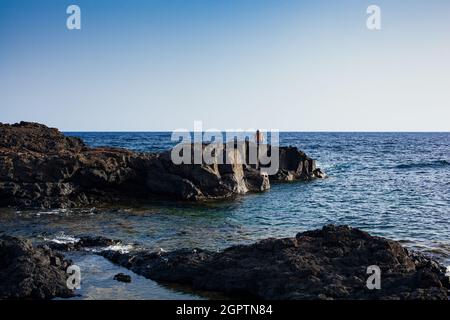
<point x="279" y="64"/>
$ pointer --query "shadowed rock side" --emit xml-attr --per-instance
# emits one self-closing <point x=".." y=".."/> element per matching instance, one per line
<point x="323" y="264"/>
<point x="31" y="273"/>
<point x="40" y="167"/>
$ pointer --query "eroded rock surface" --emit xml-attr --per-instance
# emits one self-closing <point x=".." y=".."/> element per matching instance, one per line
<point x="330" y="263"/>
<point x="28" y="272"/>
<point x="40" y="167"/>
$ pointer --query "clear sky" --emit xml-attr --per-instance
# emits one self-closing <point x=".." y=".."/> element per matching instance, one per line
<point x="282" y="64"/>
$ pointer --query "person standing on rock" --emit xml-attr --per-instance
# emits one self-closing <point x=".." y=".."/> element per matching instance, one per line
<point x="259" y="137"/>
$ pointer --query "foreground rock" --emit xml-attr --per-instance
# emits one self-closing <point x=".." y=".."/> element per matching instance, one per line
<point x="323" y="264"/>
<point x="40" y="167"/>
<point x="27" y="272"/>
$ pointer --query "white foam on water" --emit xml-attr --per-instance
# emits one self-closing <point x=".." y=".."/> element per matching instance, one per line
<point x="62" y="238"/>
<point x="122" y="248"/>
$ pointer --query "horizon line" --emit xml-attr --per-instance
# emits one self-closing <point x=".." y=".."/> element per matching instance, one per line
<point x="289" y="131"/>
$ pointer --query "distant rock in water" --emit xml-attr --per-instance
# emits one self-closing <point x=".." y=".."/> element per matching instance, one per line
<point x="27" y="272"/>
<point x="40" y="167"/>
<point x="330" y="263"/>
<point x="121" y="277"/>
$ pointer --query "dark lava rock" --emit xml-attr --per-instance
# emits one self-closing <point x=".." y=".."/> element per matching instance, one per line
<point x="296" y="165"/>
<point x="28" y="272"/>
<point x="122" y="277"/>
<point x="40" y="167"/>
<point x="322" y="264"/>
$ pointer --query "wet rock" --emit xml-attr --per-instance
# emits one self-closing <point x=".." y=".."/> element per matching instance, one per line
<point x="121" y="277"/>
<point x="84" y="242"/>
<point x="42" y="168"/>
<point x="28" y="272"/>
<point x="330" y="263"/>
<point x="318" y="173"/>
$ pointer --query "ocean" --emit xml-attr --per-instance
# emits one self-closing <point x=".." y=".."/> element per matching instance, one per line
<point x="395" y="185"/>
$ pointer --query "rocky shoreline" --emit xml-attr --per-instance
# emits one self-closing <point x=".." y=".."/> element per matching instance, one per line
<point x="42" y="168"/>
<point x="330" y="264"/>
<point x="326" y="264"/>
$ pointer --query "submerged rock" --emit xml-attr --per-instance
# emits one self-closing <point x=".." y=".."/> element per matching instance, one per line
<point x="40" y="167"/>
<point x="28" y="272"/>
<point x="330" y="263"/>
<point x="122" y="277"/>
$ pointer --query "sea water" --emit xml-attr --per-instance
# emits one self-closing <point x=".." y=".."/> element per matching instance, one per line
<point x="395" y="185"/>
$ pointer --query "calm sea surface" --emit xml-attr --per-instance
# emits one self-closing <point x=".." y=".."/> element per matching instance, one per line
<point x="390" y="184"/>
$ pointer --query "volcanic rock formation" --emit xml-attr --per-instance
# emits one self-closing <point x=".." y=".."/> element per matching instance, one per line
<point x="40" y="167"/>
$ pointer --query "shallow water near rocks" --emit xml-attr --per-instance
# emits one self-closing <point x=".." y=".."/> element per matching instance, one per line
<point x="98" y="283"/>
<point x="395" y="185"/>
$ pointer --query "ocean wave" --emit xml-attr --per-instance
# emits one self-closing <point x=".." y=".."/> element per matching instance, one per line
<point x="62" y="238"/>
<point x="122" y="248"/>
<point x="423" y="165"/>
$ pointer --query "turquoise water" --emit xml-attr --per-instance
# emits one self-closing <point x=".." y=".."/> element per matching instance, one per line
<point x="390" y="184"/>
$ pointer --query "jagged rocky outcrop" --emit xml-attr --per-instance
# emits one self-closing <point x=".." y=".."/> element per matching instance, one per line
<point x="28" y="272"/>
<point x="40" y="167"/>
<point x="296" y="165"/>
<point x="330" y="263"/>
